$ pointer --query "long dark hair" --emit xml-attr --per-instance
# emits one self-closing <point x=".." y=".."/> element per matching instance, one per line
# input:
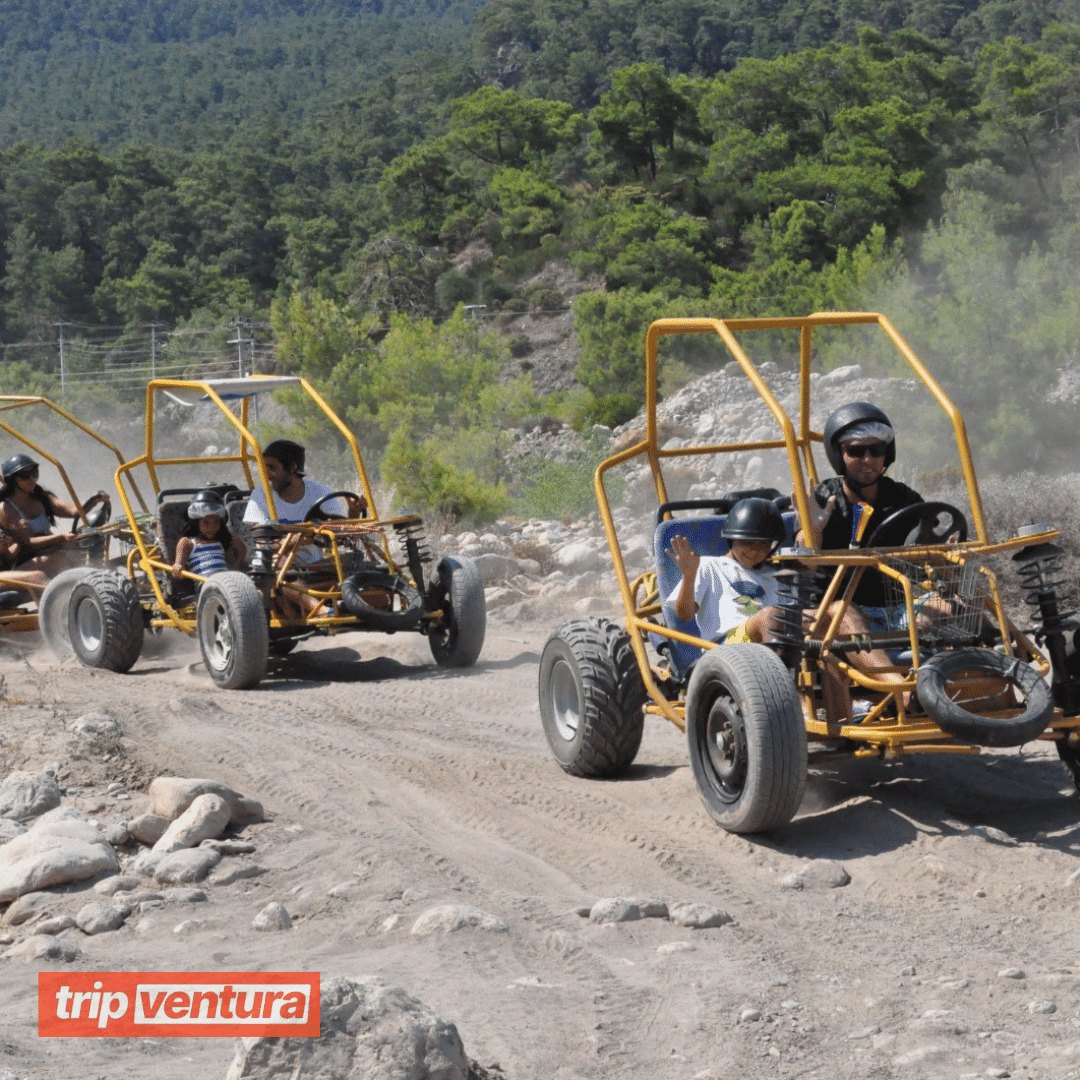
<point x="224" y="537"/>
<point x="39" y="493"/>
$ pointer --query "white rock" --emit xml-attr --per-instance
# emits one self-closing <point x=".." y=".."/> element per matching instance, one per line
<point x="238" y="872"/>
<point x="120" y="883"/>
<point x="97" y="917"/>
<point x="204" y="819"/>
<point x="28" y="906"/>
<point x="614" y="909"/>
<point x="1011" y="973"/>
<point x="1042" y="1007"/>
<point x="272" y="917"/>
<point x="818" y="874"/>
<point x="9" y="829"/>
<point x="577" y="558"/>
<point x="185" y="896"/>
<point x="148" y="828"/>
<point x="187" y="865"/>
<point x="60" y="847"/>
<point x="56" y="925"/>
<point x="170" y="796"/>
<point x="451" y="917"/>
<point x="495" y="568"/>
<point x="95" y="724"/>
<point x="43" y="947"/>
<point x="675" y="947"/>
<point x="698" y="916"/>
<point x="229" y="847"/>
<point x="25" y="795"/>
<point x="367" y="1029"/>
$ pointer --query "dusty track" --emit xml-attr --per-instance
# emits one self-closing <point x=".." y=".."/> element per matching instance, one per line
<point x="401" y="786"/>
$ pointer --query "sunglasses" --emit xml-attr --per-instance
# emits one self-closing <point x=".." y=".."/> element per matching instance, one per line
<point x="28" y="474"/>
<point x="873" y="449"/>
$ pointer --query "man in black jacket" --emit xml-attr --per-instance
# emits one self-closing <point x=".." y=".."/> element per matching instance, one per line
<point x="860" y="444"/>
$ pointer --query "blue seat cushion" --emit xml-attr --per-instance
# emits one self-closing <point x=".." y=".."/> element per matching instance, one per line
<point x="704" y="536"/>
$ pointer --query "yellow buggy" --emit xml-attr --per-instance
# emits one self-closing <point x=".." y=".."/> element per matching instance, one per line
<point x="29" y="421"/>
<point x="368" y="574"/>
<point x="969" y="676"/>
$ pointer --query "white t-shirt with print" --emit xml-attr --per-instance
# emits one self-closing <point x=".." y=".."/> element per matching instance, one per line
<point x="257" y="513"/>
<point x="727" y="594"/>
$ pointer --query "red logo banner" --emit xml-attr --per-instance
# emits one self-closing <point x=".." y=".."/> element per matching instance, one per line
<point x="122" y="1004"/>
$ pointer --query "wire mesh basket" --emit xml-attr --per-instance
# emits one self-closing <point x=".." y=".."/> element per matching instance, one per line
<point x="949" y="599"/>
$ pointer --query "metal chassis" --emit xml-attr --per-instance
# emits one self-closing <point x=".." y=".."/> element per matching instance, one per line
<point x="878" y="735"/>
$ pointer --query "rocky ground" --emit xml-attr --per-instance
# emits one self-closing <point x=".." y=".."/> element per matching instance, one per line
<point x="404" y="830"/>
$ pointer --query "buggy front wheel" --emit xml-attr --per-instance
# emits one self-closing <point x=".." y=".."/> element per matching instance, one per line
<point x="234" y="636"/>
<point x="746" y="738"/>
<point x="458" y="591"/>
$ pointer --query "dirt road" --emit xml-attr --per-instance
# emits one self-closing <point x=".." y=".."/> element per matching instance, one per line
<point x="396" y="787"/>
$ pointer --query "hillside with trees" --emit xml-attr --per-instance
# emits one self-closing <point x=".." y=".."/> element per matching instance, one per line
<point x="354" y="173"/>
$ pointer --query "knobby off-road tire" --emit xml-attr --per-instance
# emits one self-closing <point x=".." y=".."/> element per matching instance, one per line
<point x="458" y="589"/>
<point x="937" y="674"/>
<point x="233" y="633"/>
<point x="105" y="623"/>
<point x="591" y="698"/>
<point x="53" y="609"/>
<point x="746" y="738"/>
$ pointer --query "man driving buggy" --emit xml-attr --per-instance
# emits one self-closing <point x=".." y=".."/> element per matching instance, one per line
<point x="860" y="444"/>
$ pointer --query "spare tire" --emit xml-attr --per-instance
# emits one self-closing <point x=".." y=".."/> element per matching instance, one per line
<point x="1027" y="688"/>
<point x="403" y="603"/>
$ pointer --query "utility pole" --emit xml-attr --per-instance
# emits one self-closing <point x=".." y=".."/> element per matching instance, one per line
<point x="239" y="341"/>
<point x="63" y="384"/>
<point x="153" y="350"/>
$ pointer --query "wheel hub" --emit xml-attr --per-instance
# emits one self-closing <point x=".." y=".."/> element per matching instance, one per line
<point x="725" y="737"/>
<point x="565" y="701"/>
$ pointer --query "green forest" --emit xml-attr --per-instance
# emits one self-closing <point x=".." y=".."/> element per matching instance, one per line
<point x="317" y="166"/>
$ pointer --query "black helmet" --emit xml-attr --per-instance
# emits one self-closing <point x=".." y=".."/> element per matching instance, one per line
<point x="205" y="504"/>
<point x="16" y="464"/>
<point x="844" y="419"/>
<point x="754" y="519"/>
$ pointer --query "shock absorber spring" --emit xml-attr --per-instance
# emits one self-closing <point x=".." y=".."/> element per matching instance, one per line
<point x="796" y="592"/>
<point x="410" y="534"/>
<point x="1039" y="568"/>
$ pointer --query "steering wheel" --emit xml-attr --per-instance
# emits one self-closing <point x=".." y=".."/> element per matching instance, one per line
<point x="923" y="523"/>
<point x="95" y="518"/>
<point x="316" y="513"/>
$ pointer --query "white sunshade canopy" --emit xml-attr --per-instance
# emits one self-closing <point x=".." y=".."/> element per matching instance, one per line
<point x="228" y="389"/>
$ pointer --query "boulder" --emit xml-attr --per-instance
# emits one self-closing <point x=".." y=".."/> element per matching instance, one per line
<point x="9" y="829"/>
<point x="24" y="796"/>
<point x="497" y="567"/>
<point x="577" y="558"/>
<point x="170" y="796"/>
<point x="148" y="828"/>
<point x="98" y="917"/>
<point x="185" y="866"/>
<point x="450" y="917"/>
<point x="43" y="947"/>
<point x="366" y="1029"/>
<point x="95" y="724"/>
<point x="272" y="917"/>
<point x="204" y="819"/>
<point x="60" y="847"/>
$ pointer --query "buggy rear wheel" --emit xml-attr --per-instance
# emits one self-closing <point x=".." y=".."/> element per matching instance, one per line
<point x="746" y="738"/>
<point x="104" y="619"/>
<point x="53" y="609"/>
<point x="591" y="698"/>
<point x="234" y="636"/>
